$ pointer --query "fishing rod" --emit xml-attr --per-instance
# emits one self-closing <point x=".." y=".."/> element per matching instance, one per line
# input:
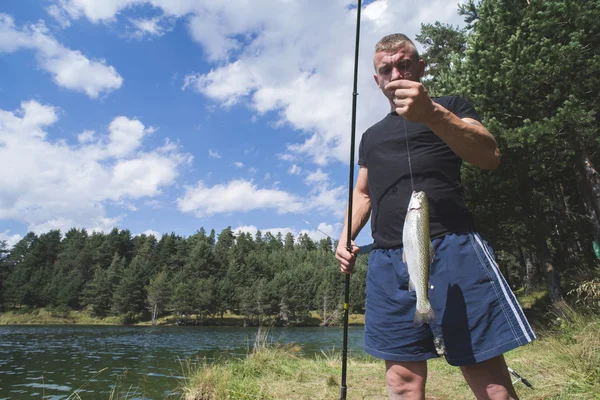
<point x="306" y="222"/>
<point x="520" y="378"/>
<point x="343" y="388"/>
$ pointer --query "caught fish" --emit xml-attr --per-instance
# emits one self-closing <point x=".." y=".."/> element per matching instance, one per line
<point x="418" y="254"/>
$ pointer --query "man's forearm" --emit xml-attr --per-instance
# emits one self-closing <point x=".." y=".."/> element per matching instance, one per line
<point x="470" y="141"/>
<point x="361" y="210"/>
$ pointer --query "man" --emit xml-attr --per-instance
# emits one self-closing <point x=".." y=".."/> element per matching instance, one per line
<point x="475" y="309"/>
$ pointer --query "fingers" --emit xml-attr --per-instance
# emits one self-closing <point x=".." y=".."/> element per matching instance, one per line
<point x="404" y="93"/>
<point x="400" y="84"/>
<point x="402" y="103"/>
<point x="346" y="259"/>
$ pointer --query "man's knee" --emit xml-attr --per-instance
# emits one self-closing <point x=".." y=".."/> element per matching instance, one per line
<point x="406" y="380"/>
<point x="490" y="380"/>
<point x="499" y="392"/>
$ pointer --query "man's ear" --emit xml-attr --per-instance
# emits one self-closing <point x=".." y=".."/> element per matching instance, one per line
<point x="376" y="79"/>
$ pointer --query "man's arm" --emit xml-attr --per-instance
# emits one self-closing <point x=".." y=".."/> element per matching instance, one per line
<point x="467" y="137"/>
<point x="361" y="210"/>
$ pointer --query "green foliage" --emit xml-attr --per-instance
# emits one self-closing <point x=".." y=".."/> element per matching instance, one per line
<point x="129" y="294"/>
<point x="194" y="278"/>
<point x="532" y="70"/>
<point x="158" y="291"/>
<point x="445" y="47"/>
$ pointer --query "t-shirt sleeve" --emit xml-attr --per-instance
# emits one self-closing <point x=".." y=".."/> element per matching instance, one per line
<point x="361" y="152"/>
<point x="463" y="109"/>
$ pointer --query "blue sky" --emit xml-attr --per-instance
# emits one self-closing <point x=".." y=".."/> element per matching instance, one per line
<point x="163" y="116"/>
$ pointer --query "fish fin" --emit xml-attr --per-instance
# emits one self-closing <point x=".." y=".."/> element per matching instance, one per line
<point x="440" y="346"/>
<point x="431" y="253"/>
<point x="411" y="285"/>
<point x="438" y="339"/>
<point x="426" y="316"/>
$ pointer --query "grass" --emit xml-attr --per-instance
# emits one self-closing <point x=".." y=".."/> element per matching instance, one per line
<point x="564" y="363"/>
<point x="42" y="316"/>
<point x="117" y="392"/>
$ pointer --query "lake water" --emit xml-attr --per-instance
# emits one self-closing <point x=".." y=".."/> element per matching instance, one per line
<point x="52" y="362"/>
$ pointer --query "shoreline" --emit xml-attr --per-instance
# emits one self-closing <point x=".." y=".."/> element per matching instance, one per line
<point x="45" y="317"/>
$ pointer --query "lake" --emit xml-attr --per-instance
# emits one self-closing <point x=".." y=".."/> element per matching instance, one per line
<point x="52" y="361"/>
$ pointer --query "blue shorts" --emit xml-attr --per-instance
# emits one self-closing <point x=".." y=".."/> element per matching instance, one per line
<point x="477" y="312"/>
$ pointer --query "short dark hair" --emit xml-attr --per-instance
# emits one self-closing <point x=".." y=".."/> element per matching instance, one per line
<point x="393" y="42"/>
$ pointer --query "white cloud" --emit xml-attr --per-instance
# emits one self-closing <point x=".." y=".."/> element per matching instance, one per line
<point x="95" y="11"/>
<point x="155" y="204"/>
<point x="58" y="186"/>
<point x="316" y="177"/>
<point x="286" y="65"/>
<point x="292" y="59"/>
<point x="69" y="68"/>
<point x="147" y="28"/>
<point x="244" y="196"/>
<point x="126" y="136"/>
<point x="294" y="170"/>
<point x="214" y="154"/>
<point x="238" y="164"/>
<point x="151" y="232"/>
<point x="235" y="196"/>
<point x="11" y="240"/>
<point x="287" y="157"/>
<point x="329" y="200"/>
<point x="86" y="136"/>
<point x="229" y="84"/>
<point x="59" y="15"/>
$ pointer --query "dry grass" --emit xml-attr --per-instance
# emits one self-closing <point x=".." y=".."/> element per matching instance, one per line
<point x="564" y="363"/>
<point x="42" y="316"/>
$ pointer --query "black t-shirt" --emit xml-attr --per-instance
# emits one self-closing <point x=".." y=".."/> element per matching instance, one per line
<point x="435" y="168"/>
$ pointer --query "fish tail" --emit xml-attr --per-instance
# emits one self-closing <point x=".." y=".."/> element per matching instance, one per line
<point x="424" y="315"/>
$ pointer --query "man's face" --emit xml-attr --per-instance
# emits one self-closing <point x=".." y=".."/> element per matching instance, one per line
<point x="396" y="64"/>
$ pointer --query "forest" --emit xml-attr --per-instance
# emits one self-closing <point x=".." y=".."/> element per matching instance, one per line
<point x="531" y="70"/>
<point x="281" y="278"/>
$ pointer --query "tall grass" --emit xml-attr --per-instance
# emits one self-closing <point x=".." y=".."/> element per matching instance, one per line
<point x="575" y="343"/>
<point x="115" y="393"/>
<point x="564" y="363"/>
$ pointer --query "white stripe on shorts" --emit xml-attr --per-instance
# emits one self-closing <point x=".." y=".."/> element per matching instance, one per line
<point x="509" y="297"/>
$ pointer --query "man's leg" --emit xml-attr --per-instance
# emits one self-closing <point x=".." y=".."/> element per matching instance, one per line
<point x="406" y="380"/>
<point x="490" y="380"/>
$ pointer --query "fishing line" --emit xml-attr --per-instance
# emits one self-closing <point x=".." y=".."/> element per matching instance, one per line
<point x="412" y="184"/>
<point x="438" y="336"/>
<point x="307" y="223"/>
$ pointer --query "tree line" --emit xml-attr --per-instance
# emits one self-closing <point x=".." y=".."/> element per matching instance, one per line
<point x="204" y="275"/>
